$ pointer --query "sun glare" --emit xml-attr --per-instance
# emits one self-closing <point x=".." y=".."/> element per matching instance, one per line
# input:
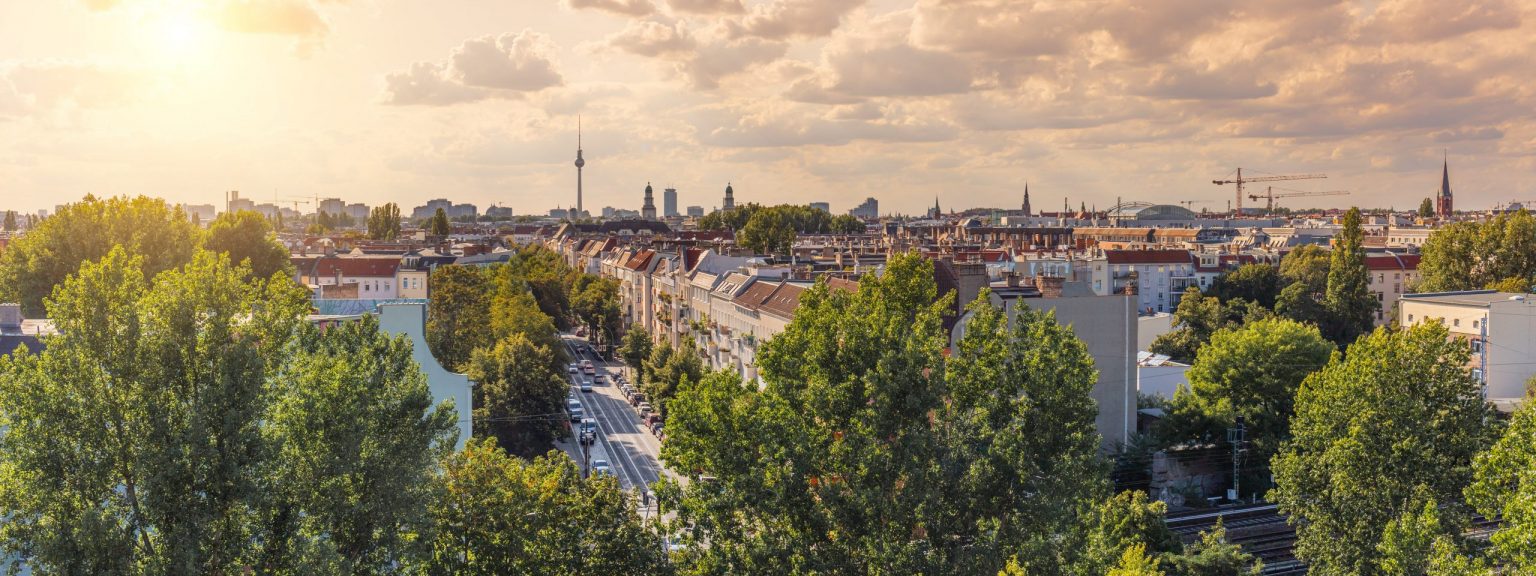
<point x="176" y="31"/>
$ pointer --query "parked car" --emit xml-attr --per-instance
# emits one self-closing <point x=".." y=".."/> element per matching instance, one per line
<point x="651" y="419"/>
<point x="645" y="410"/>
<point x="601" y="466"/>
<point x="636" y="399"/>
<point x="656" y="429"/>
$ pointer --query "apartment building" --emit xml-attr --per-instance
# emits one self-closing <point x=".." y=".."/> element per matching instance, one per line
<point x="1161" y="276"/>
<point x="1500" y="327"/>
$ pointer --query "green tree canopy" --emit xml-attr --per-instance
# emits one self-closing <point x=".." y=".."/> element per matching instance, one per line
<point x="1398" y="417"/>
<point x="246" y="237"/>
<point x="159" y="234"/>
<point x="516" y="391"/>
<point x="867" y="451"/>
<point x="1348" y="300"/>
<point x="458" y="314"/>
<point x="635" y="350"/>
<point x="1304" y="285"/>
<point x="10" y="221"/>
<point x="1258" y="283"/>
<point x="1251" y="371"/>
<point x="666" y="371"/>
<point x="193" y="424"/>
<point x="440" y="226"/>
<point x="1426" y="208"/>
<point x="1213" y="555"/>
<point x="384" y="222"/>
<point x="595" y="303"/>
<point x="501" y="515"/>
<point x="1505" y="487"/>
<point x="770" y="231"/>
<point x="1476" y="255"/>
<point x="1197" y="318"/>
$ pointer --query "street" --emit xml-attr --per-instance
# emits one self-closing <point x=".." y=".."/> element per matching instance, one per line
<point x="632" y="452"/>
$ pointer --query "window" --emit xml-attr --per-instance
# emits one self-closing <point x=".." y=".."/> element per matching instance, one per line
<point x="1477" y="374"/>
<point x="1410" y="318"/>
<point x="1456" y="322"/>
<point x="1474" y="323"/>
<point x="1477" y="346"/>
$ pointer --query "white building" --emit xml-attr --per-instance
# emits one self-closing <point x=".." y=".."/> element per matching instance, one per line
<point x="1499" y="326"/>
<point x="1161" y="276"/>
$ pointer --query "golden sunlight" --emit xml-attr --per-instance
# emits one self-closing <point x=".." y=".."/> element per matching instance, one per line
<point x="176" y="31"/>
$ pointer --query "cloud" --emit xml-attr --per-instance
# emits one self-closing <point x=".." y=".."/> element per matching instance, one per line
<point x="1233" y="83"/>
<point x="706" y="6"/>
<point x="37" y="87"/>
<point x="281" y="17"/>
<point x="623" y="7"/>
<point x="1432" y="20"/>
<point x="1464" y="134"/>
<point x="651" y="39"/>
<point x="1001" y="28"/>
<point x="784" y="19"/>
<point x="718" y="59"/>
<point x="505" y="66"/>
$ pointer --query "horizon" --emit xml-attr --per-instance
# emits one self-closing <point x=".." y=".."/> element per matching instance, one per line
<point x="791" y="101"/>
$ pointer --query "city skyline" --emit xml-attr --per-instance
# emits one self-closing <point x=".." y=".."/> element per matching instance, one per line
<point x="790" y="100"/>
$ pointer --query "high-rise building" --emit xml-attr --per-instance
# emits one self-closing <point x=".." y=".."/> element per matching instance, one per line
<point x="204" y="212"/>
<point x="234" y="203"/>
<point x="499" y="212"/>
<point x="648" y="210"/>
<point x="695" y="211"/>
<point x="1443" y="204"/>
<point x="822" y="206"/>
<point x="669" y="202"/>
<point x="869" y="210"/>
<point x="332" y="206"/>
<point x="730" y="198"/>
<point x="358" y="212"/>
<point x="579" y="164"/>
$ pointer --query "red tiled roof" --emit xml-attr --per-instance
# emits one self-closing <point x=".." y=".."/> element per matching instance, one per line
<point x="357" y="267"/>
<point x="754" y="296"/>
<point x="843" y="284"/>
<point x="784" y="301"/>
<point x="1147" y="256"/>
<point x="640" y="261"/>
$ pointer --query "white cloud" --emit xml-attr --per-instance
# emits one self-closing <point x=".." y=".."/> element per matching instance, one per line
<point x="621" y="7"/>
<point x="505" y="66"/>
<point x="784" y="19"/>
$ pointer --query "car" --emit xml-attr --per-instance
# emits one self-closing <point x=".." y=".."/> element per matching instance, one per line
<point x="586" y="385"/>
<point x="656" y="430"/>
<point x="650" y="419"/>
<point x="645" y="409"/>
<point x="573" y="369"/>
<point x="636" y="399"/>
<point x="588" y="425"/>
<point x="599" y="380"/>
<point x="574" y="407"/>
<point x="600" y="466"/>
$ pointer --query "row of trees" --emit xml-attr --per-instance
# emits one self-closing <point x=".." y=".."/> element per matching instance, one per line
<point x="1499" y="253"/>
<point x="160" y="235"/>
<point x="772" y="229"/>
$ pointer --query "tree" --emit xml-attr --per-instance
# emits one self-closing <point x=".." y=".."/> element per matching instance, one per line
<point x="595" y="302"/>
<point x="33" y="264"/>
<point x="1398" y="417"/>
<point x="1475" y="255"/>
<point x="1350" y="305"/>
<point x="666" y="371"/>
<point x="458" y="314"/>
<point x="1136" y="562"/>
<point x="1258" y="283"/>
<point x="1427" y="209"/>
<point x="1126" y="521"/>
<point x="516" y="391"/>
<point x="1304" y="285"/>
<point x="866" y="450"/>
<point x="440" y="226"/>
<point x="10" y="221"/>
<point x="352" y="441"/>
<point x="1408" y="541"/>
<point x="1198" y="317"/>
<point x="500" y="515"/>
<point x="1505" y="487"/>
<point x="768" y="232"/>
<point x="846" y="224"/>
<point x="1252" y="371"/>
<point x="635" y="349"/>
<point x="247" y="238"/>
<point x="1213" y="555"/>
<point x="384" y="222"/>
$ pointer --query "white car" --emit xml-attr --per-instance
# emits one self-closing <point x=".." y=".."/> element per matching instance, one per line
<point x="601" y="466"/>
<point x="586" y="385"/>
<point x="573" y="368"/>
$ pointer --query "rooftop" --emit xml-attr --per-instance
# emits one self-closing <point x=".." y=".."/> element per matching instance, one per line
<point x="1481" y="298"/>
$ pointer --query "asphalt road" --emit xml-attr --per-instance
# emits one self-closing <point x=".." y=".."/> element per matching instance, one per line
<point x="630" y="449"/>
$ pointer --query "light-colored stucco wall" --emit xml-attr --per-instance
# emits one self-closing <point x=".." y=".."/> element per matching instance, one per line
<point x="411" y="321"/>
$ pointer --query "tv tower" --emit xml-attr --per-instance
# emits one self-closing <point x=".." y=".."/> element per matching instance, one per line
<point x="579" y="163"/>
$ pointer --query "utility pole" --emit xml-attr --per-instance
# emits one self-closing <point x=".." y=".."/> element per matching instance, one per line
<point x="1237" y="435"/>
<point x="1482" y="357"/>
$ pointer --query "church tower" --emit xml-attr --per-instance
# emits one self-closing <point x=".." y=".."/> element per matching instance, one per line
<point x="1443" y="204"/>
<point x="730" y="198"/>
<point x="648" y="211"/>
<point x="1026" y="200"/>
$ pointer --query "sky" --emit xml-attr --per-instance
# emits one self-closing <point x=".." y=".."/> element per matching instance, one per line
<point x="788" y="100"/>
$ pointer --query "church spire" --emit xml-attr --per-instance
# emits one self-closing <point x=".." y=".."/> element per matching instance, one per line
<point x="1443" y="204"/>
<point x="1026" y="199"/>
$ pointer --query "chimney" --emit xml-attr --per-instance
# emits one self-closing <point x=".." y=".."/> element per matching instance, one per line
<point x="1049" y="286"/>
<point x="10" y="318"/>
<point x="1012" y="279"/>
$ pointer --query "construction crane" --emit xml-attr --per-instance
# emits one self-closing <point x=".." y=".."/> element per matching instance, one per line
<point x="1240" y="181"/>
<point x="1190" y="204"/>
<point x="1270" y="196"/>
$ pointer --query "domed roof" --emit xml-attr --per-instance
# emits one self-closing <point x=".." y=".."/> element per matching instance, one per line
<point x="1166" y="212"/>
<point x="728" y="189"/>
<point x="648" y="187"/>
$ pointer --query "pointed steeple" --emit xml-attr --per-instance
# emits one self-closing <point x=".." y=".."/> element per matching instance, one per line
<point x="1444" y="205"/>
<point x="936" y="211"/>
<point x="1026" y="199"/>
